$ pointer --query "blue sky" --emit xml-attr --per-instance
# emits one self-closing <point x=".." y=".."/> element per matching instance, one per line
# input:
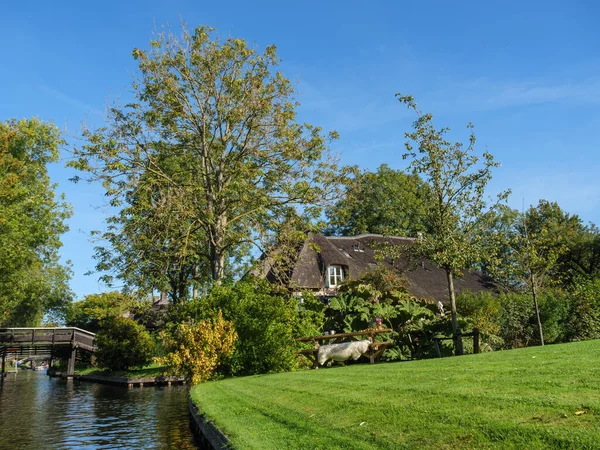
<point x="527" y="74"/>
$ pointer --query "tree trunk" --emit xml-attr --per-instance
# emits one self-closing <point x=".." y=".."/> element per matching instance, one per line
<point x="455" y="330"/>
<point x="217" y="266"/>
<point x="195" y="283"/>
<point x="537" y="309"/>
<point x="217" y="254"/>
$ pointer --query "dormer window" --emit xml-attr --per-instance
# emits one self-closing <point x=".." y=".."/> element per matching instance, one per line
<point x="335" y="276"/>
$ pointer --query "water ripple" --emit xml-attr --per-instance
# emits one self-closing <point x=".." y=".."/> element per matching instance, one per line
<point x="40" y="412"/>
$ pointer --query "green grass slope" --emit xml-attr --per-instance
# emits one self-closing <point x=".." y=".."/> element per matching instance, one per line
<point x="529" y="398"/>
<point x="150" y="371"/>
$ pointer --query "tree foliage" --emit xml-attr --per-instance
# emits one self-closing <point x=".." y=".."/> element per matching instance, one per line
<point x="387" y="201"/>
<point x="458" y="178"/>
<point x="32" y="280"/>
<point x="123" y="344"/>
<point x="205" y="162"/>
<point x="267" y="324"/>
<point x="567" y="249"/>
<point x="380" y="296"/>
<point x="509" y="320"/>
<point x="558" y="247"/>
<point x="266" y="320"/>
<point x="96" y="309"/>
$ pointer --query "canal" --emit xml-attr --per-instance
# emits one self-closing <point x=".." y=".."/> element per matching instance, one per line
<point x="39" y="412"/>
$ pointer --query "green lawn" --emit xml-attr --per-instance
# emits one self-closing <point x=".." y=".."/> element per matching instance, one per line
<point x="529" y="398"/>
<point x="150" y="371"/>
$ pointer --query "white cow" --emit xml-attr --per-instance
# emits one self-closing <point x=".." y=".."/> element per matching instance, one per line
<point x="342" y="352"/>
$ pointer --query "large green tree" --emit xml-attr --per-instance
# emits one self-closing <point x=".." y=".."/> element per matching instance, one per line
<point x="32" y="281"/>
<point x="458" y="178"/>
<point x="95" y="310"/>
<point x="540" y="248"/>
<point x="570" y="249"/>
<point x="574" y="246"/>
<point x="206" y="160"/>
<point x="387" y="201"/>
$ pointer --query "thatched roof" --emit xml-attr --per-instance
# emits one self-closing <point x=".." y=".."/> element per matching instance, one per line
<point x="358" y="254"/>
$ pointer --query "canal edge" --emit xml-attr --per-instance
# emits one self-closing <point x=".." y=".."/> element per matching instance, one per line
<point x="121" y="381"/>
<point x="208" y="436"/>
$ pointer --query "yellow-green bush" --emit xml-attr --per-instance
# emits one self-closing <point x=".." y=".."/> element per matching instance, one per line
<point x="196" y="350"/>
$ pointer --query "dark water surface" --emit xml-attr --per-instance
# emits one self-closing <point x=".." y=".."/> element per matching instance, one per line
<point x="39" y="412"/>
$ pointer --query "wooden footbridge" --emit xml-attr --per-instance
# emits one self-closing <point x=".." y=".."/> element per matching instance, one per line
<point x="24" y="342"/>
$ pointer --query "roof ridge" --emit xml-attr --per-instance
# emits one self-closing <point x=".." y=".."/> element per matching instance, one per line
<point x="360" y="236"/>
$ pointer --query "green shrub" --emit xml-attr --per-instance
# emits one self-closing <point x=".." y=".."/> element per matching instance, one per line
<point x="482" y="310"/>
<point x="123" y="344"/>
<point x="509" y="321"/>
<point x="377" y="284"/>
<point x="266" y="324"/>
<point x="583" y="320"/>
<point x="311" y="315"/>
<point x="517" y="320"/>
<point x="554" y="311"/>
<point x="381" y="295"/>
<point x="374" y="295"/>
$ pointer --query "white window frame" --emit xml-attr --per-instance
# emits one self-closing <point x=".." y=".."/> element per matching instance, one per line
<point x="335" y="275"/>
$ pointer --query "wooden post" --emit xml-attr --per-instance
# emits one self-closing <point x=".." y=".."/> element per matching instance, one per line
<point x="458" y="343"/>
<point x="436" y="344"/>
<point x="3" y="373"/>
<point x="71" y="363"/>
<point x="475" y="340"/>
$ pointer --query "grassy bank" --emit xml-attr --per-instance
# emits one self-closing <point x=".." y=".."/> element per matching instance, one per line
<point x="528" y="398"/>
<point x="153" y="370"/>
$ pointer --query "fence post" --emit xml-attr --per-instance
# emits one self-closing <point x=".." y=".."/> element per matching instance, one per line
<point x="475" y="340"/>
<point x="436" y="344"/>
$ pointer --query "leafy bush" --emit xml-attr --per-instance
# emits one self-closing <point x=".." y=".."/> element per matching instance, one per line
<point x="554" y="311"/>
<point x="123" y="344"/>
<point x="379" y="283"/>
<point x="482" y="310"/>
<point x="361" y="301"/>
<point x="508" y="320"/>
<point x="266" y="322"/>
<point x="267" y="325"/>
<point x="381" y="294"/>
<point x="311" y="315"/>
<point x="517" y="320"/>
<point x="197" y="350"/>
<point x="583" y="320"/>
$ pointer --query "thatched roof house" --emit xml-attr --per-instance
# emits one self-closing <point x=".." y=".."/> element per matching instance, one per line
<point x="324" y="261"/>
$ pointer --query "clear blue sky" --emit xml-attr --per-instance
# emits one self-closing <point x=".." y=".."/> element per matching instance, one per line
<point x="525" y="73"/>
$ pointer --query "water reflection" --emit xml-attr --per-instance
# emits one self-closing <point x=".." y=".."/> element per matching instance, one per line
<point x="39" y="412"/>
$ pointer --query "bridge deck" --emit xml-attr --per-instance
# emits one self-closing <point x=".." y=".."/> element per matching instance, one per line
<point x="34" y="337"/>
<point x="19" y="341"/>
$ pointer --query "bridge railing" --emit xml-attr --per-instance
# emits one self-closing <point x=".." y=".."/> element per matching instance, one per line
<point x="48" y="336"/>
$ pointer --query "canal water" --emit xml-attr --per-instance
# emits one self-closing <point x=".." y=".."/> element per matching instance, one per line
<point x="39" y="412"/>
